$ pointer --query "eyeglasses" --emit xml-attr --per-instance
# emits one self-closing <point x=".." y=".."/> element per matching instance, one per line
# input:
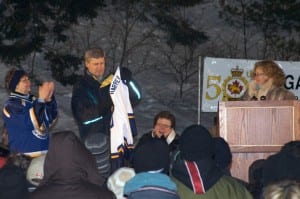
<point x="258" y="74"/>
<point x="165" y="126"/>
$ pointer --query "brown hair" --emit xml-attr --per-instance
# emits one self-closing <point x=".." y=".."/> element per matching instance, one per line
<point x="166" y="115"/>
<point x="93" y="53"/>
<point x="8" y="77"/>
<point x="272" y="70"/>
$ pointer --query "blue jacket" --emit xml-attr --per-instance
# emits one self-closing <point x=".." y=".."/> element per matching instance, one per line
<point x="28" y="121"/>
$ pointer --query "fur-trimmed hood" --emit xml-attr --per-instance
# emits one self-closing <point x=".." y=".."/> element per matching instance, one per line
<point x="267" y="91"/>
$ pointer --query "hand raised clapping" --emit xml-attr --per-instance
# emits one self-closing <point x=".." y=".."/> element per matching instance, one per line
<point x="46" y="91"/>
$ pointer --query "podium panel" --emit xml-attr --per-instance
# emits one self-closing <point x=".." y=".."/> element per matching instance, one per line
<point x="257" y="129"/>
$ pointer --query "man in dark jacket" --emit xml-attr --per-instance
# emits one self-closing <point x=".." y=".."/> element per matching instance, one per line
<point x="92" y="105"/>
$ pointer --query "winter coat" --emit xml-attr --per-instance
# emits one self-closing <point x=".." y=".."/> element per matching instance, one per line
<point x="267" y="92"/>
<point x="205" y="180"/>
<point x="28" y="121"/>
<point x="92" y="106"/>
<point x="92" y="109"/>
<point x="13" y="183"/>
<point x="147" y="185"/>
<point x="70" y="171"/>
<point x="173" y="143"/>
<point x="225" y="188"/>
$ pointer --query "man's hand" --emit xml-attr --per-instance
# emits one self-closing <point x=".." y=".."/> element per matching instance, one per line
<point x="126" y="74"/>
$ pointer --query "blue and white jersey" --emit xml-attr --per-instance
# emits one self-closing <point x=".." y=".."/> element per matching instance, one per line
<point x="123" y="126"/>
<point x="28" y="120"/>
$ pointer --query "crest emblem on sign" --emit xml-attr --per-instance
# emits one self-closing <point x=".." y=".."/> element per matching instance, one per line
<point x="234" y="86"/>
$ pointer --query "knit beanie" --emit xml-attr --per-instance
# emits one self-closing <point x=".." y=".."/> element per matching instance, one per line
<point x="152" y="155"/>
<point x="196" y="143"/>
<point x="17" y="75"/>
<point x="283" y="165"/>
<point x="255" y="171"/>
<point x="223" y="155"/>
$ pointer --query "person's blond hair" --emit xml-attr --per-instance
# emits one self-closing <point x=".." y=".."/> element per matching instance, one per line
<point x="272" y="70"/>
<point x="285" y="189"/>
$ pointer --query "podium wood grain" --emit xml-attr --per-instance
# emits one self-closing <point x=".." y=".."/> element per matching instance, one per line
<point x="257" y="129"/>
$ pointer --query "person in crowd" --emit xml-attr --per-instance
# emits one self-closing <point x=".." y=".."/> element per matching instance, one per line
<point x="255" y="184"/>
<point x="70" y="171"/>
<point x="35" y="171"/>
<point x="151" y="163"/>
<point x="91" y="103"/>
<point x="267" y="83"/>
<point x="283" y="165"/>
<point x="13" y="183"/>
<point x="222" y="155"/>
<point x="195" y="171"/>
<point x="118" y="179"/>
<point x="27" y="118"/>
<point x="163" y="128"/>
<point x="92" y="106"/>
<point x="284" y="189"/>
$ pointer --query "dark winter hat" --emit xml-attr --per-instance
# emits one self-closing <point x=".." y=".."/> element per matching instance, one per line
<point x="15" y="79"/>
<point x="223" y="155"/>
<point x="151" y="155"/>
<point x="280" y="166"/>
<point x="255" y="171"/>
<point x="196" y="143"/>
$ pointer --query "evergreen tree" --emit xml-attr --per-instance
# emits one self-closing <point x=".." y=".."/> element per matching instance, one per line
<point x="278" y="21"/>
<point x="29" y="27"/>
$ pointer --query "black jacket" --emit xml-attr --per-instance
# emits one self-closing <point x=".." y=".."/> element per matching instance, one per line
<point x="92" y="106"/>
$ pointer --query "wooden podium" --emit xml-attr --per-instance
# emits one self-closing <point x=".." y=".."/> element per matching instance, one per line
<point x="257" y="129"/>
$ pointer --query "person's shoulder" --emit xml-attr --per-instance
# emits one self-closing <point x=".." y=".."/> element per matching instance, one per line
<point x="14" y="105"/>
<point x="282" y="93"/>
<point x="289" y="95"/>
<point x="146" y="136"/>
<point x="231" y="183"/>
<point x="83" y="82"/>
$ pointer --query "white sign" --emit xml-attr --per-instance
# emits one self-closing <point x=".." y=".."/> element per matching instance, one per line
<point x="227" y="79"/>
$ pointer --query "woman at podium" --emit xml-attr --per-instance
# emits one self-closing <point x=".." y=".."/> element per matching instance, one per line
<point x="267" y="83"/>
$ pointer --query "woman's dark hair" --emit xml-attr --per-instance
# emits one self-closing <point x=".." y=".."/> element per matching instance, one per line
<point x="166" y="115"/>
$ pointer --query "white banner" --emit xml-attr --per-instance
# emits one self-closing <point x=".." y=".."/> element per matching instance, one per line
<point x="227" y="79"/>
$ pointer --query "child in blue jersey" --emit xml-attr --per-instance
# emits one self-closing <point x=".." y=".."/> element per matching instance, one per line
<point x="27" y="118"/>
